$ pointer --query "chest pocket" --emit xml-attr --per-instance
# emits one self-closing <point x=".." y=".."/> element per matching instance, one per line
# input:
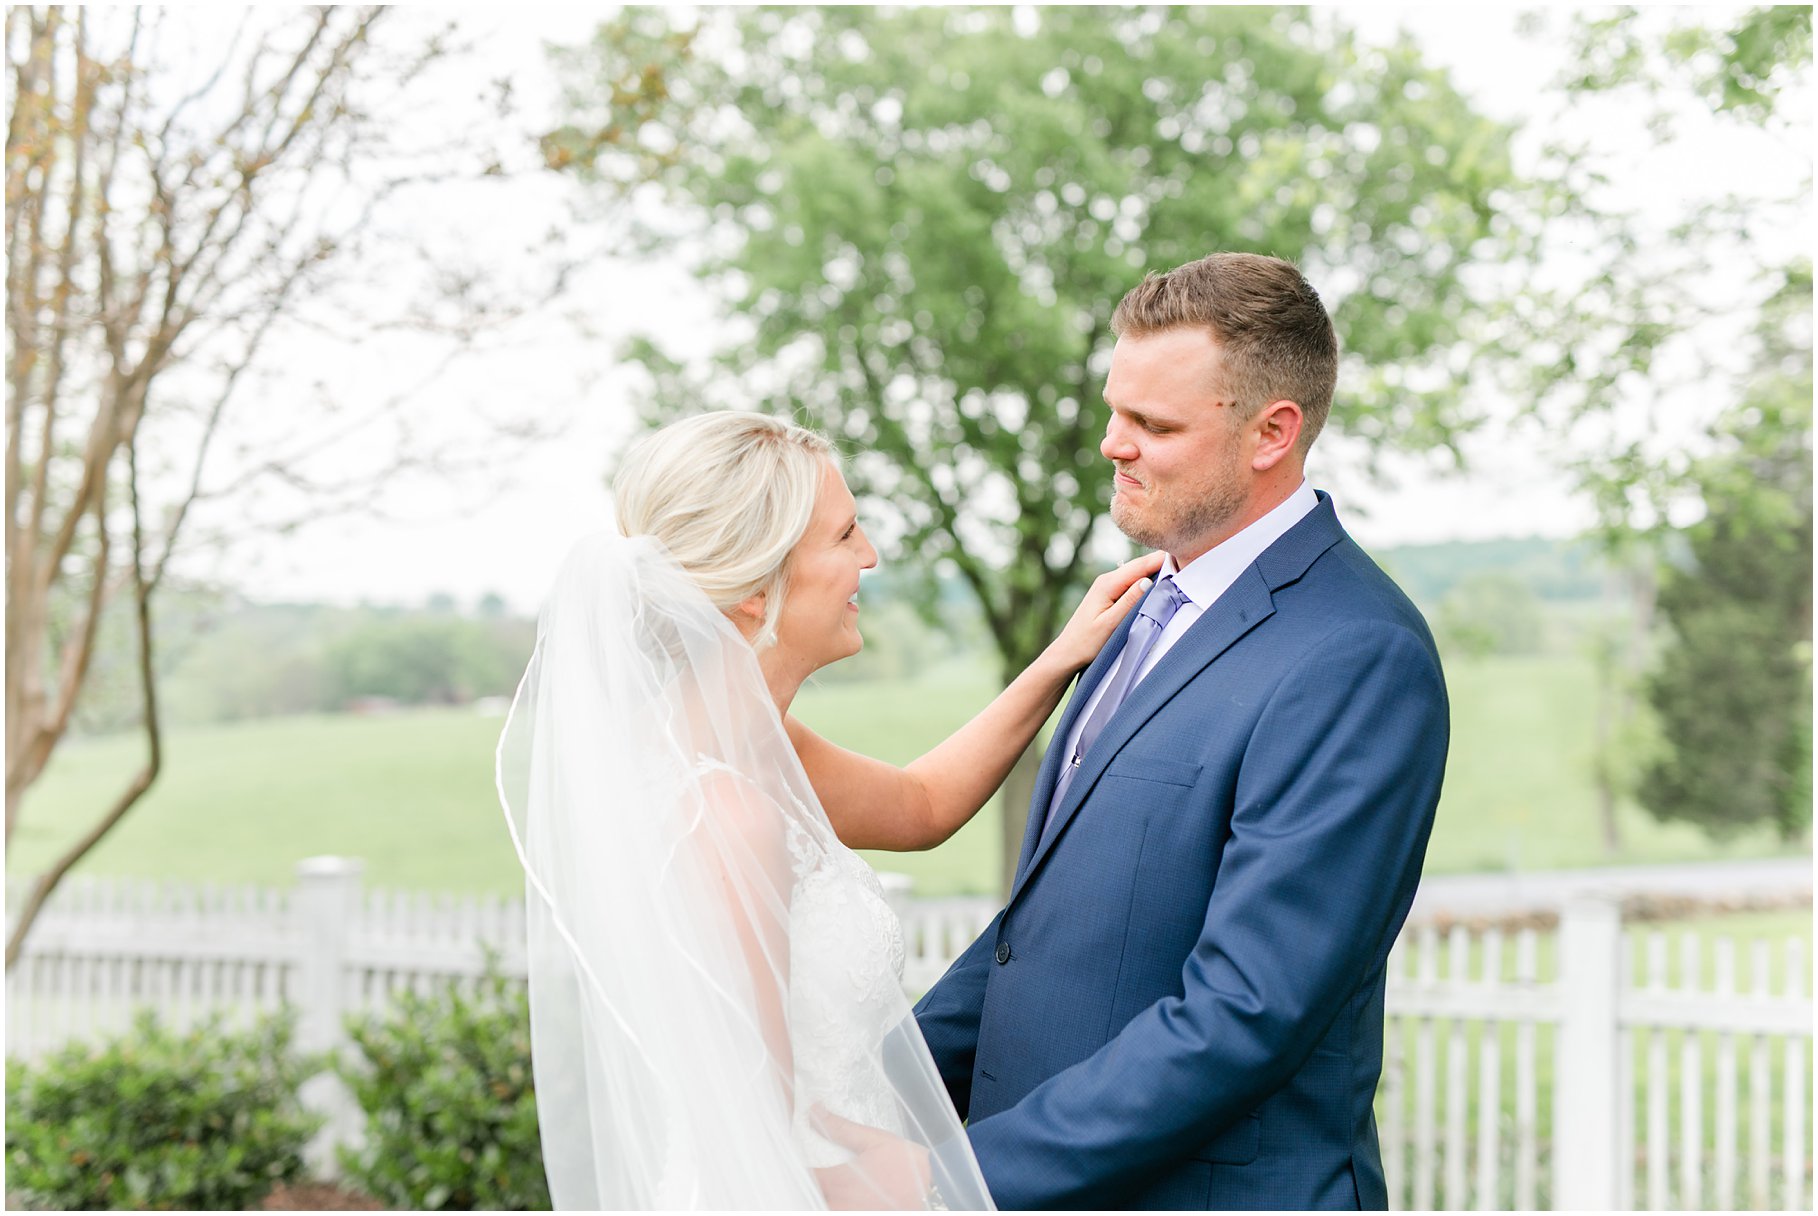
<point x="1160" y="770"/>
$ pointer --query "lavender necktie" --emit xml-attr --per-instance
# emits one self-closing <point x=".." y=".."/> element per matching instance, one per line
<point x="1158" y="608"/>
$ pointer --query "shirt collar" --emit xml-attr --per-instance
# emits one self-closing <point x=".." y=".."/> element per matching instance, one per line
<point x="1207" y="576"/>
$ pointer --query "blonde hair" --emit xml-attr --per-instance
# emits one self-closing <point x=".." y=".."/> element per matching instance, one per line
<point x="729" y="494"/>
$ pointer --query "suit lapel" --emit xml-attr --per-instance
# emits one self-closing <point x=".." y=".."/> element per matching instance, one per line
<point x="1245" y="604"/>
<point x="1240" y="609"/>
<point x="1055" y="756"/>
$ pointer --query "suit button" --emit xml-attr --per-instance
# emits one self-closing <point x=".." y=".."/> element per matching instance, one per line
<point x="1003" y="953"/>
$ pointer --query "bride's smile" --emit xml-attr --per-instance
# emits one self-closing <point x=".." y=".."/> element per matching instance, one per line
<point x="819" y="622"/>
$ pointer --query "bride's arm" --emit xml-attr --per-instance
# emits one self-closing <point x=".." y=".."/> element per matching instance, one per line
<point x="746" y="853"/>
<point x="875" y="805"/>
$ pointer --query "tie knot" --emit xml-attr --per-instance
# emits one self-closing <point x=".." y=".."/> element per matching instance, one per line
<point x="1162" y="602"/>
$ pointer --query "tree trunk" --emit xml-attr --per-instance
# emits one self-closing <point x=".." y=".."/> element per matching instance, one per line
<point x="1612" y="651"/>
<point x="1603" y="769"/>
<point x="1019" y="787"/>
<point x="1017" y="649"/>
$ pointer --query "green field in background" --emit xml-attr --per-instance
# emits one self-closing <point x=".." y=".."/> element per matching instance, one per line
<point x="412" y="793"/>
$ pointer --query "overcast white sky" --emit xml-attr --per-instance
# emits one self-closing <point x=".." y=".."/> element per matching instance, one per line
<point x="506" y="529"/>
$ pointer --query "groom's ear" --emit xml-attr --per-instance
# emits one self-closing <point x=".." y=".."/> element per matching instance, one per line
<point x="1276" y="428"/>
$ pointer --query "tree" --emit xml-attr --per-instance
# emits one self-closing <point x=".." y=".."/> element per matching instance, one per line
<point x="179" y="193"/>
<point x="1643" y="317"/>
<point x="1741" y="67"/>
<point x="923" y="219"/>
<point x="426" y="658"/>
<point x="1733" y="687"/>
<point x="1646" y="313"/>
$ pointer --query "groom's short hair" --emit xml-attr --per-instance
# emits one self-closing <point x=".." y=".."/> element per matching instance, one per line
<point x="1275" y="336"/>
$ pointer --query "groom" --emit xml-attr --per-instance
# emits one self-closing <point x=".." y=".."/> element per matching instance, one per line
<point x="1181" y="1006"/>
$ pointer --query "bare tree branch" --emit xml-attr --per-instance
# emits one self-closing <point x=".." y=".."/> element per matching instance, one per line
<point x="142" y="781"/>
<point x="168" y="218"/>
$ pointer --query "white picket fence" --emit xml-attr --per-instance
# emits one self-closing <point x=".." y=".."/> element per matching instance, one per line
<point x="1594" y="1067"/>
<point x="1578" y="1070"/>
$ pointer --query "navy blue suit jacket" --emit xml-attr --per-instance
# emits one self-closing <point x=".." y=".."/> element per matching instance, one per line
<point x="1181" y="1006"/>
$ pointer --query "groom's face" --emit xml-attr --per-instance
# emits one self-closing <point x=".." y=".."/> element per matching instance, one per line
<point x="1182" y="460"/>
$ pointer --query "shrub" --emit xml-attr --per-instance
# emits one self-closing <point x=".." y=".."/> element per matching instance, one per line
<point x="451" y="1113"/>
<point x="159" y="1120"/>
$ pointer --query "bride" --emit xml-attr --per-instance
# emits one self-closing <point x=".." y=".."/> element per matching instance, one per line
<point x="717" y="1014"/>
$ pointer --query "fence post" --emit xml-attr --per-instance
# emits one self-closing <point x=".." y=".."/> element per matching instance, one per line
<point x="1585" y="1093"/>
<point x="899" y="890"/>
<point x="327" y="898"/>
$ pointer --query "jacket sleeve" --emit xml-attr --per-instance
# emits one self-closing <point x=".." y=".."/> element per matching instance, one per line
<point x="949" y="1015"/>
<point x="1334" y="803"/>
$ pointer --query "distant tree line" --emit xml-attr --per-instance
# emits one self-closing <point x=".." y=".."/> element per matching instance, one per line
<point x="223" y="661"/>
<point x="227" y="662"/>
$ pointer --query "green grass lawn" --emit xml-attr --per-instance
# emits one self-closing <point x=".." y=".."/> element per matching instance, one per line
<point x="412" y="793"/>
<point x="1518" y="793"/>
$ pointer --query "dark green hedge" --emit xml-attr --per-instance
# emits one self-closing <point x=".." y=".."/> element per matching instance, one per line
<point x="159" y="1120"/>
<point x="451" y="1114"/>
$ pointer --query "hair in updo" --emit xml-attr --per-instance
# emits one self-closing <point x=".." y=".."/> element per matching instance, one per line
<point x="729" y="494"/>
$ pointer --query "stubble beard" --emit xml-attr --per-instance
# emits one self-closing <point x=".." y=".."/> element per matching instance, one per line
<point x="1172" y="525"/>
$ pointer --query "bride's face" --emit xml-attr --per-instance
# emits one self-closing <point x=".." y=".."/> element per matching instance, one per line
<point x="819" y="624"/>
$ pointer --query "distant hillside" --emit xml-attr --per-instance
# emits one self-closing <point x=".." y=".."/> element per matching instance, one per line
<point x="1560" y="571"/>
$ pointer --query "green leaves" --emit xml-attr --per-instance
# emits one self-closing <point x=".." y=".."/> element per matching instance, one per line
<point x="1733" y="685"/>
<point x="158" y="1120"/>
<point x="1742" y="68"/>
<point x="447" y="1088"/>
<point x="926" y="216"/>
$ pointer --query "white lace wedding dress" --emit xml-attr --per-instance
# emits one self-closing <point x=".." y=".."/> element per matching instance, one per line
<point x="845" y="994"/>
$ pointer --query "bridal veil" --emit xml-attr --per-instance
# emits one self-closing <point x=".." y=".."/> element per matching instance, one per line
<point x="669" y="838"/>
